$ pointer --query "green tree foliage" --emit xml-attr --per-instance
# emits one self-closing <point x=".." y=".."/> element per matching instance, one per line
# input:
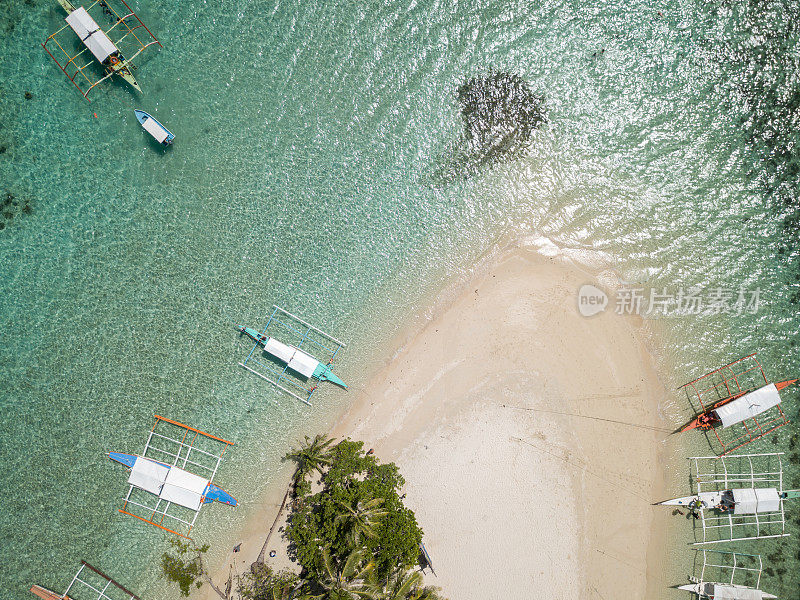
<point x="362" y="520"/>
<point x="344" y="580"/>
<point x="262" y="583"/>
<point x="312" y="455"/>
<point x="185" y="569"/>
<point x="358" y="508"/>
<point x="403" y="585"/>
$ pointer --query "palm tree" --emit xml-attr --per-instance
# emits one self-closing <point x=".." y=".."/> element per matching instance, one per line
<point x="404" y="585"/>
<point x="362" y="519"/>
<point x="312" y="455"/>
<point x="346" y="581"/>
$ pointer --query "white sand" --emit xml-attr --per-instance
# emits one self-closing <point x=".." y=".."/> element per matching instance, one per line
<point x="517" y="494"/>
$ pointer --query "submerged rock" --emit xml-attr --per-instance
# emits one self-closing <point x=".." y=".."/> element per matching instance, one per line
<point x="499" y="110"/>
<point x="500" y="113"/>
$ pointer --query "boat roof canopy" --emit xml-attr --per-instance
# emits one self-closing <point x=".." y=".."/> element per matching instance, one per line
<point x="724" y="591"/>
<point x="156" y="130"/>
<point x="279" y="350"/>
<point x="148" y="475"/>
<point x="90" y="33"/>
<point x="303" y="363"/>
<point x="184" y="488"/>
<point x="750" y="501"/>
<point x="748" y="406"/>
<point x="172" y="484"/>
<point x="298" y="361"/>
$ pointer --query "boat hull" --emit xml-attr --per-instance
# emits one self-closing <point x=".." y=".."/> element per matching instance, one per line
<point x="325" y="373"/>
<point x="706" y="499"/>
<point x="124" y="72"/>
<point x="67" y="6"/>
<point x="46" y="594"/>
<point x="143" y="117"/>
<point x="700" y="590"/>
<point x="214" y="493"/>
<point x="126" y="459"/>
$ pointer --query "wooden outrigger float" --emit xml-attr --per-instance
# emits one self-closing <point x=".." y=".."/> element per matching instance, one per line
<point x="738" y="497"/>
<point x="97" y="42"/>
<point x="295" y="369"/>
<point x="738" y="577"/>
<point x="88" y="582"/>
<point x="735" y="395"/>
<point x="162" y="491"/>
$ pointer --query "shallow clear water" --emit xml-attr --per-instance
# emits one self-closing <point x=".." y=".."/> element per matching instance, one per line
<point x="307" y="134"/>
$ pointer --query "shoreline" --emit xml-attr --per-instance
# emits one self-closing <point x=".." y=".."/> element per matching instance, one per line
<point x="562" y="500"/>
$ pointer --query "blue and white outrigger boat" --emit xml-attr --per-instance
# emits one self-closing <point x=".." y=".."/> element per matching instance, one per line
<point x="163" y="492"/>
<point x="155" y="476"/>
<point x="160" y="133"/>
<point x="292" y="368"/>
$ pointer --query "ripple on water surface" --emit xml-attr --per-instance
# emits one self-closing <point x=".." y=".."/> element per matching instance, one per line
<point x="306" y="135"/>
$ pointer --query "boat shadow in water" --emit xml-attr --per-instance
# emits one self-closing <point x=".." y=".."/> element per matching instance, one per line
<point x="500" y="113"/>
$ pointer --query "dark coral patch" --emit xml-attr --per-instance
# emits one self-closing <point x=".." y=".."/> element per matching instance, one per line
<point x="500" y="113"/>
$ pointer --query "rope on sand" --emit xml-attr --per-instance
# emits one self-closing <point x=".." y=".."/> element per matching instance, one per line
<point x="583" y="468"/>
<point x="558" y="412"/>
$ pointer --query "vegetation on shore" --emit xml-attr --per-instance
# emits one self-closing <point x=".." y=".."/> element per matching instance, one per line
<point x="348" y="530"/>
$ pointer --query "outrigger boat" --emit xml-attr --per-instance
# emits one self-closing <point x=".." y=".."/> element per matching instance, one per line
<point x="736" y="394"/>
<point x="297" y="360"/>
<point x="160" y="133"/>
<point x="736" y="500"/>
<point x="737" y="497"/>
<point x="97" y="41"/>
<point x="295" y="368"/>
<point x="737" y="564"/>
<point x="725" y="591"/>
<point x="93" y="582"/>
<point x="170" y="482"/>
<point x="163" y="492"/>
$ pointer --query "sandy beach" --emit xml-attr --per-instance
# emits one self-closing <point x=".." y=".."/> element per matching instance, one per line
<point x="529" y="437"/>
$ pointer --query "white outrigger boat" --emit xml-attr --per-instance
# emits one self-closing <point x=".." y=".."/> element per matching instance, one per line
<point x="725" y="591"/>
<point x="740" y="501"/>
<point x="162" y="491"/>
<point x="729" y="590"/>
<point x="737" y="403"/>
<point x="736" y="500"/>
<point x="295" y="368"/>
<point x="96" y="41"/>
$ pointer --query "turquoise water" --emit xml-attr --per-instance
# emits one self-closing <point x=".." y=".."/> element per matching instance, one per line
<point x="307" y="134"/>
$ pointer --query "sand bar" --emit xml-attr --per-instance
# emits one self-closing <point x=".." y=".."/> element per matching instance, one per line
<point x="529" y="437"/>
